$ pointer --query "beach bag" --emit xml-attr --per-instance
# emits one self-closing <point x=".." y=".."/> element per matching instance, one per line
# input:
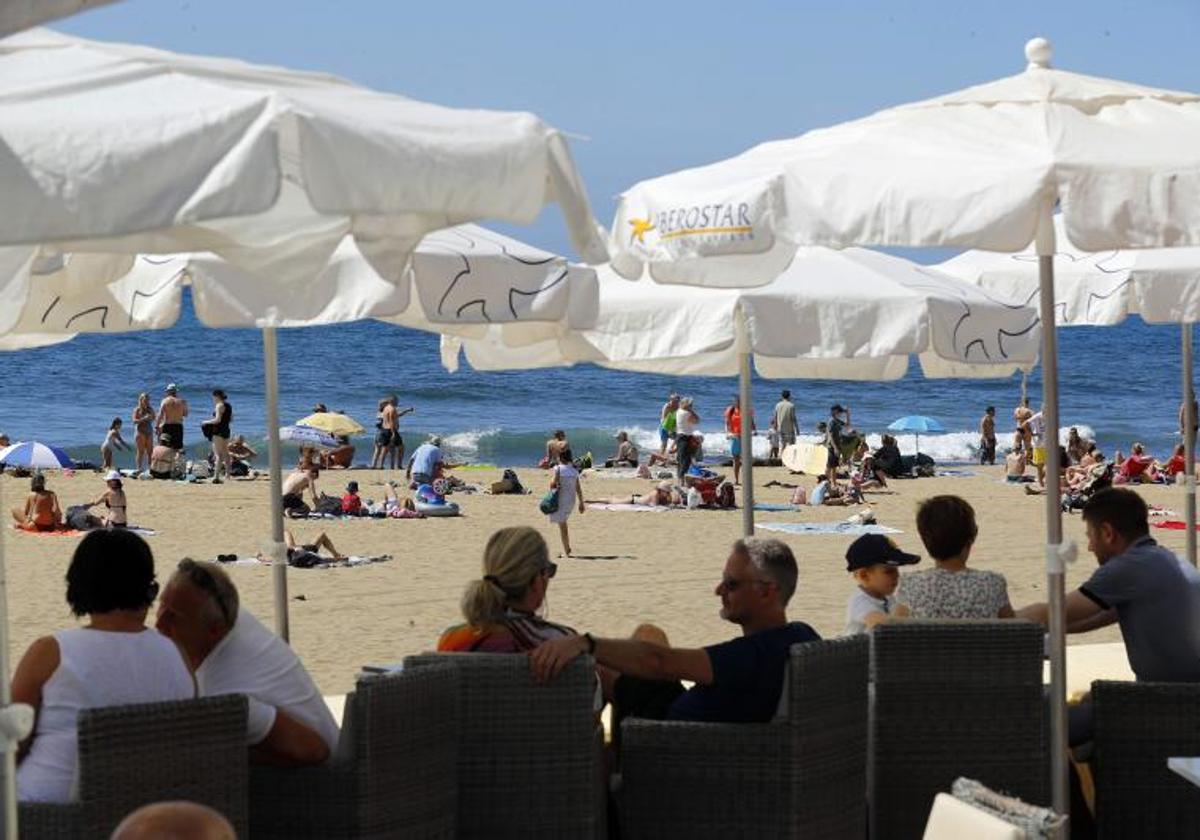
<point x="330" y="505"/>
<point x="200" y="469"/>
<point x="694" y="499"/>
<point x="800" y="496"/>
<point x="549" y="502"/>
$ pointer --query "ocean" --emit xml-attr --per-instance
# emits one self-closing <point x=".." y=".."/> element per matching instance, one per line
<point x="1118" y="385"/>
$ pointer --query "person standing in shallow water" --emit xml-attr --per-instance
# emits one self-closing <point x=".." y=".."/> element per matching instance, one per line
<point x="987" y="436"/>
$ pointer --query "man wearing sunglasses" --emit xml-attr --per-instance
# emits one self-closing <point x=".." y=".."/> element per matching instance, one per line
<point x="231" y="652"/>
<point x="738" y="681"/>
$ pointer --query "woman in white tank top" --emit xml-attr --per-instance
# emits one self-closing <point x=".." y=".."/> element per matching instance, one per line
<point x="113" y="660"/>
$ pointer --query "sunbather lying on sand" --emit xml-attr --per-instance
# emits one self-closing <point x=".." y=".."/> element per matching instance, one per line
<point x="664" y="495"/>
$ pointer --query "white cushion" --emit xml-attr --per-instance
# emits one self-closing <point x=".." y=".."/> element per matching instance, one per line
<point x="953" y="819"/>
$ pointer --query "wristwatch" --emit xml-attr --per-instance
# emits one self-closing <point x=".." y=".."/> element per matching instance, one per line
<point x="591" y="644"/>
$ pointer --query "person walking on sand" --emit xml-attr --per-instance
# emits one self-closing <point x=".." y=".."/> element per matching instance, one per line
<point x="171" y="412"/>
<point x="217" y="428"/>
<point x="666" y="423"/>
<point x="143" y="424"/>
<point x="785" y="419"/>
<point x="570" y="494"/>
<point x="987" y="436"/>
<point x="112" y="440"/>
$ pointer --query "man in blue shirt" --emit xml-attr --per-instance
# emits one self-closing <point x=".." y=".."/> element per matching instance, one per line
<point x="1153" y="595"/>
<point x="427" y="462"/>
<point x="738" y="681"/>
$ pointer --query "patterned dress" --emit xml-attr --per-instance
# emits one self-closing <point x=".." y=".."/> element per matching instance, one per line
<point x="938" y="593"/>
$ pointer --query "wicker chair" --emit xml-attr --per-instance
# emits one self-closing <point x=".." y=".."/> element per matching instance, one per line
<point x="133" y="755"/>
<point x="803" y="776"/>
<point x="393" y="775"/>
<point x="1138" y="727"/>
<point x="529" y="756"/>
<point x="954" y="698"/>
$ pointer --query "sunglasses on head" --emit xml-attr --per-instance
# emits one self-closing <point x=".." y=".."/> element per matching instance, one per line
<point x="199" y="576"/>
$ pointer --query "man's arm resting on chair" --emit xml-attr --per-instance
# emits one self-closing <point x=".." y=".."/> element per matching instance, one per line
<point x="289" y="743"/>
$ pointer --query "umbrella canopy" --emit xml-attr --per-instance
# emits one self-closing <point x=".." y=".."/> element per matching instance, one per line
<point x="916" y="423"/>
<point x="852" y="314"/>
<point x="982" y="167"/>
<point x="35" y="455"/>
<point x="308" y="435"/>
<point x="975" y="168"/>
<point x="1097" y="289"/>
<point x="461" y="279"/>
<point x="332" y="423"/>
<point x="156" y="152"/>
<point x="16" y="15"/>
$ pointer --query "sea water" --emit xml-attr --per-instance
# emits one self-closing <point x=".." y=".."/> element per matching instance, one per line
<point x="1118" y="384"/>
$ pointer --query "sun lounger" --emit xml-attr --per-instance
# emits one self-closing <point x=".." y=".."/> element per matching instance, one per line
<point x="1138" y="727"/>
<point x="954" y="698"/>
<point x="130" y="756"/>
<point x="802" y="775"/>
<point x="393" y="774"/>
<point x="529" y="754"/>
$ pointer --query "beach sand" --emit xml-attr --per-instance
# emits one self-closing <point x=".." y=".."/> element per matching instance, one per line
<point x="633" y="567"/>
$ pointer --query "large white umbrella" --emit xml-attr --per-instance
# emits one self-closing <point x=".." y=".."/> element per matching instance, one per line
<point x="124" y="150"/>
<point x="982" y="167"/>
<point x="851" y="314"/>
<point x="1162" y="285"/>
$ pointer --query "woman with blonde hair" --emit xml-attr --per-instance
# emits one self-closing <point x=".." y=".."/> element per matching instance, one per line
<point x="143" y="423"/>
<point x="501" y="606"/>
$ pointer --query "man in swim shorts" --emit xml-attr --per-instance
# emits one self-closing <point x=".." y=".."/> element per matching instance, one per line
<point x="171" y="412"/>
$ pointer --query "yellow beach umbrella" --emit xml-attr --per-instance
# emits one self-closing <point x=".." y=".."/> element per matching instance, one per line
<point x="333" y="423"/>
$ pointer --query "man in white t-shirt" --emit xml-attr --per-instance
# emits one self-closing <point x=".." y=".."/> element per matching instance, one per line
<point x="231" y="652"/>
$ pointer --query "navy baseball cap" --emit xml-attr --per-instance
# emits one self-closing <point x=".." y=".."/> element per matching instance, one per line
<point x="875" y="549"/>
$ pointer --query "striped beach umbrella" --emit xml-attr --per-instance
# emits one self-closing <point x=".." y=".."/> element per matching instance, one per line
<point x="309" y="435"/>
<point x="35" y="455"/>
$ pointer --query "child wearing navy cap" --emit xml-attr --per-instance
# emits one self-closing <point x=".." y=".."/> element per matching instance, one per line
<point x="874" y="561"/>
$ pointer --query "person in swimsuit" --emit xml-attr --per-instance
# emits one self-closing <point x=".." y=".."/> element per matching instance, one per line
<point x="217" y="428"/>
<point x="41" y="511"/>
<point x="112" y="440"/>
<point x="171" y="412"/>
<point x="113" y="499"/>
<point x="383" y="434"/>
<point x="396" y="443"/>
<point x="296" y="549"/>
<point x="666" y="423"/>
<point x="165" y="459"/>
<point x="143" y="424"/>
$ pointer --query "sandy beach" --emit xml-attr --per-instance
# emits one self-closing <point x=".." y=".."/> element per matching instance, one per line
<point x="659" y="567"/>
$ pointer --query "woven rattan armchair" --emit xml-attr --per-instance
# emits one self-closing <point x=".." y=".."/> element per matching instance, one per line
<point x="799" y="776"/>
<point x="130" y="756"/>
<point x="393" y="774"/>
<point x="1138" y="727"/>
<point x="954" y="698"/>
<point x="529" y="755"/>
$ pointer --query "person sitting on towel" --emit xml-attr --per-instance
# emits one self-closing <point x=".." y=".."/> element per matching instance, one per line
<point x="738" y="681"/>
<point x="231" y="652"/>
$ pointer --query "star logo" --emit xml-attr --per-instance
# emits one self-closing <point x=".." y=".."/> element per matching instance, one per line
<point x="640" y="228"/>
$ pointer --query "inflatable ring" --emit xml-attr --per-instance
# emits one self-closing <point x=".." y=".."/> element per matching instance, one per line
<point x="442" y="508"/>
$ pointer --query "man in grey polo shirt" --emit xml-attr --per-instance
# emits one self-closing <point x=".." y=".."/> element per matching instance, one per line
<point x="1153" y="594"/>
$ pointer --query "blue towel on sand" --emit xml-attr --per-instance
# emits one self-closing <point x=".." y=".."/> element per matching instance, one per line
<point x="847" y="528"/>
<point x="773" y="507"/>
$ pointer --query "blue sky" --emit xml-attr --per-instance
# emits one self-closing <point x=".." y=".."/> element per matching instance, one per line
<point x="661" y="86"/>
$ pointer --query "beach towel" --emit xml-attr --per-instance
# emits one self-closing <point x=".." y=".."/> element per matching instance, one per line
<point x="626" y="507"/>
<point x="74" y="532"/>
<point x="775" y="507"/>
<point x="1173" y="525"/>
<point x="326" y="562"/>
<point x="847" y="528"/>
<point x="955" y="473"/>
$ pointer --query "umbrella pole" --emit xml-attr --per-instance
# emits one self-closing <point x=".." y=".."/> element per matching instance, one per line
<point x="1189" y="442"/>
<point x="10" y="743"/>
<point x="747" y="435"/>
<point x="275" y="547"/>
<point x="1055" y="563"/>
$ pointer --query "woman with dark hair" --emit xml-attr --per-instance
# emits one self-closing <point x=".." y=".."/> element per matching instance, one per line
<point x="216" y="429"/>
<point x="112" y="660"/>
<point x="41" y="511"/>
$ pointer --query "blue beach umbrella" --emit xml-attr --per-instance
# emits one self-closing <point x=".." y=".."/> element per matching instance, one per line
<point x="34" y="455"/>
<point x="916" y="423"/>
